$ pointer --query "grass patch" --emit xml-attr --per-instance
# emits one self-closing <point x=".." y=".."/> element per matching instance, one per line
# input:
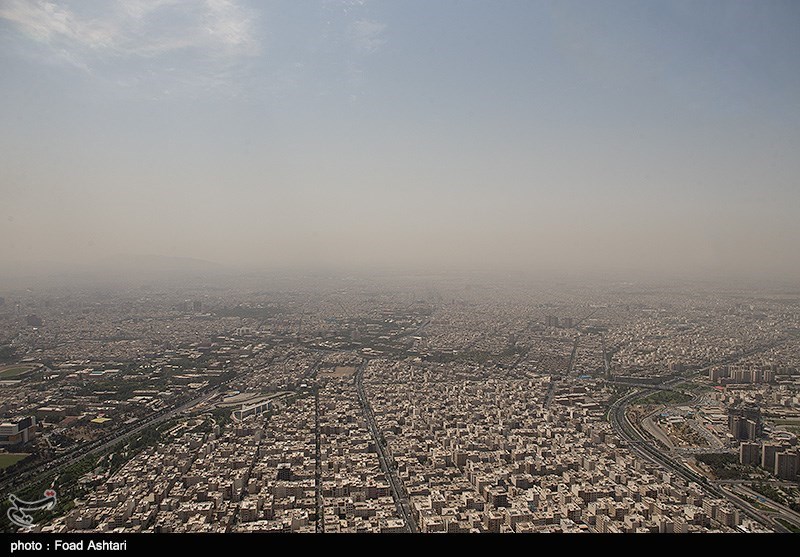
<point x="694" y="387"/>
<point x="769" y="492"/>
<point x="10" y="459"/>
<point x="665" y="397"/>
<point x="791" y="527"/>
<point x="725" y="466"/>
<point x="756" y="504"/>
<point x="14" y="371"/>
<point x="222" y="416"/>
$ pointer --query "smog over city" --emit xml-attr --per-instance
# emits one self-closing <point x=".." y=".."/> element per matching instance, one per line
<point x="398" y="266"/>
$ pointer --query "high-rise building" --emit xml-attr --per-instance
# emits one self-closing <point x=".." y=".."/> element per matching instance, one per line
<point x="751" y="430"/>
<point x="741" y="376"/>
<point x="750" y="454"/>
<point x="744" y="422"/>
<point x="742" y="429"/>
<point x="676" y="367"/>
<point x="727" y="375"/>
<point x="768" y="452"/>
<point x="787" y="465"/>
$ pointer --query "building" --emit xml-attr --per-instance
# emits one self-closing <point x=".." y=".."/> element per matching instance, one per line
<point x="728" y="516"/>
<point x="750" y="454"/>
<point x="492" y="521"/>
<point x="787" y="465"/>
<point x="17" y="431"/>
<point x="744" y="422"/>
<point x="252" y="409"/>
<point x="768" y="452"/>
<point x="737" y="376"/>
<point x="742" y="429"/>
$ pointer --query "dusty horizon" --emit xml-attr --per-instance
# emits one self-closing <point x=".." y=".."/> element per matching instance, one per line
<point x="495" y="137"/>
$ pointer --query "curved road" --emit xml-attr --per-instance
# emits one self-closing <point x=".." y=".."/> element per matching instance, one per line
<point x="640" y="445"/>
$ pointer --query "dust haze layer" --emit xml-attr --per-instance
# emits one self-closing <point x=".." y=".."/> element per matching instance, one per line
<point x="495" y="137"/>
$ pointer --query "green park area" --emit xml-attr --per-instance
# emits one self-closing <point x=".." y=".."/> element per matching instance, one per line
<point x="666" y="397"/>
<point x="10" y="459"/>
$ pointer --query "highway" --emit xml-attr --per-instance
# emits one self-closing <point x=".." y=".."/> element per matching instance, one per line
<point x="572" y="355"/>
<point x="398" y="492"/>
<point x="740" y="488"/>
<point x="641" y="446"/>
<point x="655" y="431"/>
<point x="736" y="492"/>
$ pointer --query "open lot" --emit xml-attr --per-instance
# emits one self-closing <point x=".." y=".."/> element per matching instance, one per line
<point x="339" y="371"/>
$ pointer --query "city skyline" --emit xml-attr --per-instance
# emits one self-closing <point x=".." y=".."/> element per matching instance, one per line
<point x="399" y="404"/>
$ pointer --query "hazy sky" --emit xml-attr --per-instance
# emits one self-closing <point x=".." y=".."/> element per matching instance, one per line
<point x="569" y="135"/>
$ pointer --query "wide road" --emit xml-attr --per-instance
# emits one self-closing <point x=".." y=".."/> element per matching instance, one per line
<point x="398" y="493"/>
<point x="736" y="492"/>
<point x="320" y="523"/>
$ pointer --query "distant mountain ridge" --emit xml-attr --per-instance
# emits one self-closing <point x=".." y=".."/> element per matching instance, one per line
<point x="116" y="268"/>
<point x="159" y="263"/>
